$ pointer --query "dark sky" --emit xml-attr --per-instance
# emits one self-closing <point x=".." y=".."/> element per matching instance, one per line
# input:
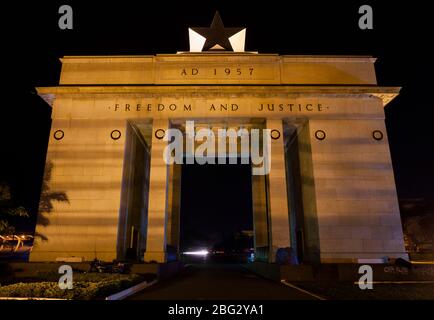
<point x="216" y="203"/>
<point x="402" y="40"/>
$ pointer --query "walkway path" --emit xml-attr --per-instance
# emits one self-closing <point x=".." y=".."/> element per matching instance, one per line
<point x="219" y="282"/>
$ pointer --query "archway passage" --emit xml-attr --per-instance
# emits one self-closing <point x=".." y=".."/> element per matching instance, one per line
<point x="216" y="212"/>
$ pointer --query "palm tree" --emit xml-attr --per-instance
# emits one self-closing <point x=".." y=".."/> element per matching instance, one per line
<point x="8" y="209"/>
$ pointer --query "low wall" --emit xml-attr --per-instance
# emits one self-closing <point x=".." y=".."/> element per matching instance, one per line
<point x="14" y="270"/>
<point x="341" y="272"/>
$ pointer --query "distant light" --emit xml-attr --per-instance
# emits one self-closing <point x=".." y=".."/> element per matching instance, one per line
<point x="251" y="258"/>
<point x="197" y="253"/>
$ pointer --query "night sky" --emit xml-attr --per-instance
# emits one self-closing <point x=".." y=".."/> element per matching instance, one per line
<point x="216" y="203"/>
<point x="32" y="43"/>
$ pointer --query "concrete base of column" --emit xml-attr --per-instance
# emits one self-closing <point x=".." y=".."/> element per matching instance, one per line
<point x="155" y="256"/>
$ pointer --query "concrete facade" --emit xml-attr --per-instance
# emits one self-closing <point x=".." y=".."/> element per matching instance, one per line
<point x="331" y="190"/>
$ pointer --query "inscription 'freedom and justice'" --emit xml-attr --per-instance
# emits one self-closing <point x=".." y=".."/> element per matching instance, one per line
<point x="233" y="107"/>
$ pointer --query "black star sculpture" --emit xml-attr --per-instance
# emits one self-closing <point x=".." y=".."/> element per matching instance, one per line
<point x="217" y="34"/>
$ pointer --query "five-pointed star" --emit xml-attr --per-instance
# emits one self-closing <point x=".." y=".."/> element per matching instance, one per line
<point x="217" y="35"/>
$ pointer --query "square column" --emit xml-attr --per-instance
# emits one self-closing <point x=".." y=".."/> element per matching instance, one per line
<point x="278" y="213"/>
<point x="158" y="197"/>
<point x="356" y="206"/>
<point x="174" y="211"/>
<point x="260" y="224"/>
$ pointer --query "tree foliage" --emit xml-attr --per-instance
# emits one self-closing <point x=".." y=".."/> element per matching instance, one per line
<point x="8" y="209"/>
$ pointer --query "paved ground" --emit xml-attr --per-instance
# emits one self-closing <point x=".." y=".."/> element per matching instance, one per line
<point x="380" y="291"/>
<point x="219" y="282"/>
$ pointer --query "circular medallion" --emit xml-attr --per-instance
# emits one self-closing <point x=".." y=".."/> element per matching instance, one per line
<point x="115" y="134"/>
<point x="275" y="134"/>
<point x="377" y="135"/>
<point x="320" y="134"/>
<point x="160" y="133"/>
<point x="58" y="134"/>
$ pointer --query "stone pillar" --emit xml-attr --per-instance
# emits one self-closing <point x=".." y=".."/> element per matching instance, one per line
<point x="357" y="209"/>
<point x="174" y="210"/>
<point x="278" y="215"/>
<point x="158" y="198"/>
<point x="260" y="225"/>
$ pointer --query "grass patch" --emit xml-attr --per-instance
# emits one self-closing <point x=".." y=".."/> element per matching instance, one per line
<point x="86" y="286"/>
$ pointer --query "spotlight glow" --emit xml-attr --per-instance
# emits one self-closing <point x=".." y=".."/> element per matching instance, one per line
<point x="197" y="253"/>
